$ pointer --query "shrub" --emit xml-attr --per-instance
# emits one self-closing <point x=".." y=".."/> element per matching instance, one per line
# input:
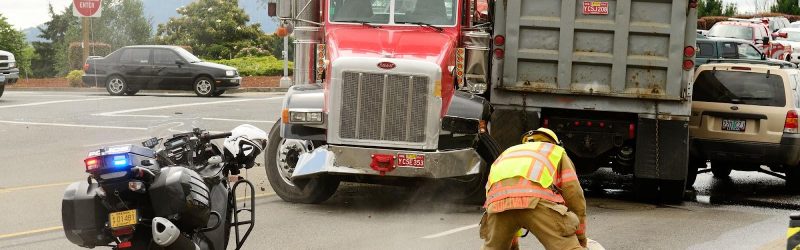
<point x="256" y="66"/>
<point x="75" y="53"/>
<point x="74" y="78"/>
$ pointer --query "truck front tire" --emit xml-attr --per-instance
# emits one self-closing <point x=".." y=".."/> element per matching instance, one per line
<point x="311" y="191"/>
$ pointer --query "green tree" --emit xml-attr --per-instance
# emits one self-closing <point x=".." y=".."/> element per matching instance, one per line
<point x="213" y="28"/>
<point x="51" y="55"/>
<point x="730" y="9"/>
<point x="13" y="41"/>
<point x="709" y="8"/>
<point x="786" y="7"/>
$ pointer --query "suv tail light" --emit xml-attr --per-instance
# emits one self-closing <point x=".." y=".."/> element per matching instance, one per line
<point x="790" y="126"/>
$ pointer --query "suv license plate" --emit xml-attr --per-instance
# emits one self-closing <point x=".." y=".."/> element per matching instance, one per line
<point x="733" y="125"/>
<point x="123" y="219"/>
<point x="411" y="160"/>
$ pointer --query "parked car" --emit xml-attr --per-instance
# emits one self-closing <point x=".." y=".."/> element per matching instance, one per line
<point x="774" y="22"/>
<point x="790" y="37"/>
<point x="710" y="48"/>
<point x="756" y="32"/>
<point x="8" y="70"/>
<point x="745" y="115"/>
<point x="158" y="67"/>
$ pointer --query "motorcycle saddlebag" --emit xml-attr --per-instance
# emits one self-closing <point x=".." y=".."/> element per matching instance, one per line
<point x="84" y="216"/>
<point x="180" y="195"/>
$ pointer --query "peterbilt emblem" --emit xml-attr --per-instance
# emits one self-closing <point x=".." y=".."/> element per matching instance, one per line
<point x="386" y="65"/>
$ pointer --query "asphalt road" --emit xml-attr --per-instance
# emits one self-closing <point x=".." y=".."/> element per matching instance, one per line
<point x="44" y="137"/>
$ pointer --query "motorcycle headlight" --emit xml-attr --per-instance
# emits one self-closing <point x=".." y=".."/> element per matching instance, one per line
<point x="230" y="72"/>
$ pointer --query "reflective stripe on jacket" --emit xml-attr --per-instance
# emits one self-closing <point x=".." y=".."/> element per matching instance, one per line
<point x="535" y="161"/>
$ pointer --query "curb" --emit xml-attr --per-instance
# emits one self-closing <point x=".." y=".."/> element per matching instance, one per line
<point x="239" y="90"/>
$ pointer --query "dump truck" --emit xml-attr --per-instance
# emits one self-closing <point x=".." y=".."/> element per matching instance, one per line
<point x="397" y="91"/>
<point x="612" y="78"/>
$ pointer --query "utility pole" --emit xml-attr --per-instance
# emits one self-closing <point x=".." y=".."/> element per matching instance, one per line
<point x="85" y="44"/>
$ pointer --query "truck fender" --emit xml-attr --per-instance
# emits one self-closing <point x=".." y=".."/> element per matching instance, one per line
<point x="305" y="97"/>
<point x="461" y="123"/>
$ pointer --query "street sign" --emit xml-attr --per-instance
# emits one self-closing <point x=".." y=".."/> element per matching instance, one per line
<point x="86" y="8"/>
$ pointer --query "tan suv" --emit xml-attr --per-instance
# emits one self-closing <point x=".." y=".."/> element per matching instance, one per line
<point x="744" y="115"/>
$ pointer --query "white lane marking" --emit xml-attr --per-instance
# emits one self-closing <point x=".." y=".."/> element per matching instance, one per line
<point x="236" y="120"/>
<point x="71" y="125"/>
<point x="451" y="231"/>
<point x="115" y="142"/>
<point x="123" y="112"/>
<point x="53" y="102"/>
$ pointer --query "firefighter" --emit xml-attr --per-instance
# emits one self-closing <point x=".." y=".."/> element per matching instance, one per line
<point x="534" y="186"/>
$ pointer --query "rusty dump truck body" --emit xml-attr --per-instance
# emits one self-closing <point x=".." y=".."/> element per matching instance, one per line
<point x="610" y="77"/>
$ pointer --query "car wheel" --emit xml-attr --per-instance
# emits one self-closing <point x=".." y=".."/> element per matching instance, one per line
<point x="721" y="169"/>
<point x="219" y="92"/>
<point x="204" y="86"/>
<point x="281" y="159"/>
<point x="2" y="89"/>
<point x="116" y="85"/>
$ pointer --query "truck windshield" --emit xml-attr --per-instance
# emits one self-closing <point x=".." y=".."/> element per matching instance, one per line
<point x="433" y="12"/>
<point x="731" y="31"/>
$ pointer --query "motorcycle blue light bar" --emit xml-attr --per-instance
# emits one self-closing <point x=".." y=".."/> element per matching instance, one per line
<point x="119" y="161"/>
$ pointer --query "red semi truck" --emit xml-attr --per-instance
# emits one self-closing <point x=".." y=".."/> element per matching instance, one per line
<point x="389" y="91"/>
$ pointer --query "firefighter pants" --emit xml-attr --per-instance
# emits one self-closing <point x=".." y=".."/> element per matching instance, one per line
<point x="551" y="223"/>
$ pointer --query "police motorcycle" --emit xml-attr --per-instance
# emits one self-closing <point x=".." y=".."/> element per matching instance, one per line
<point x="172" y="192"/>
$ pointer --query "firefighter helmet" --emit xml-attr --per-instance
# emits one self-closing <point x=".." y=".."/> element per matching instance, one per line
<point x="541" y="134"/>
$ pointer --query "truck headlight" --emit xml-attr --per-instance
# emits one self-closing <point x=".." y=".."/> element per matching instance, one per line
<point x="305" y="117"/>
<point x="12" y="65"/>
<point x="230" y="72"/>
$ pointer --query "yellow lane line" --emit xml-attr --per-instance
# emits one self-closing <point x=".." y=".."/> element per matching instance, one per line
<point x="6" y="190"/>
<point x="50" y="229"/>
<point x="35" y="231"/>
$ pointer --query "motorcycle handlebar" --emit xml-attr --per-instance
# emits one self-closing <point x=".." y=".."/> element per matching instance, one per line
<point x="215" y="136"/>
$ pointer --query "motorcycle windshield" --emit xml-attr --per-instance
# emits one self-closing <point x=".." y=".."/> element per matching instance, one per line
<point x="162" y="130"/>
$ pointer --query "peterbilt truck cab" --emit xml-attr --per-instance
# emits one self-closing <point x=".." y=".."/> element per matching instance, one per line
<point x="384" y="91"/>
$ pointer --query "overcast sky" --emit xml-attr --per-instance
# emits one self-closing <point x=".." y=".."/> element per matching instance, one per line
<point x="28" y="13"/>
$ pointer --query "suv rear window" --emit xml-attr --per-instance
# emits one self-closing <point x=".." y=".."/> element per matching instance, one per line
<point x="739" y="88"/>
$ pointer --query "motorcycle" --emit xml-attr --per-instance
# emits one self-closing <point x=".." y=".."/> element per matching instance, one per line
<point x="171" y="195"/>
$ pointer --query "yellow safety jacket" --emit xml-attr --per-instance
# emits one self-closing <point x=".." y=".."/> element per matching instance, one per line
<point x="535" y="161"/>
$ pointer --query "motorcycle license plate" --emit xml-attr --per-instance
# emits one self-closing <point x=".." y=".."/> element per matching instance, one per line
<point x="411" y="160"/>
<point x="123" y="219"/>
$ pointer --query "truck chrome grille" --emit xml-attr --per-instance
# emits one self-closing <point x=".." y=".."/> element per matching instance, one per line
<point x="3" y="65"/>
<point x="4" y="58"/>
<point x="384" y="107"/>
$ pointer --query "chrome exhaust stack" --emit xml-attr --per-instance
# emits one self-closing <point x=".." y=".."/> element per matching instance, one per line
<point x="307" y="35"/>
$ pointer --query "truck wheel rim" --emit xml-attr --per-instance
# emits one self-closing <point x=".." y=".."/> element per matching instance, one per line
<point x="289" y="151"/>
<point x="203" y="86"/>
<point x="116" y="85"/>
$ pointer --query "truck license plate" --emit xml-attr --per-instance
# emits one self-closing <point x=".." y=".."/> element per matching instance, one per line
<point x="411" y="160"/>
<point x="733" y="125"/>
<point x="122" y="219"/>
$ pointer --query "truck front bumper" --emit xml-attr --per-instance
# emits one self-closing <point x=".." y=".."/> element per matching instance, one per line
<point x="10" y="76"/>
<point x="330" y="159"/>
